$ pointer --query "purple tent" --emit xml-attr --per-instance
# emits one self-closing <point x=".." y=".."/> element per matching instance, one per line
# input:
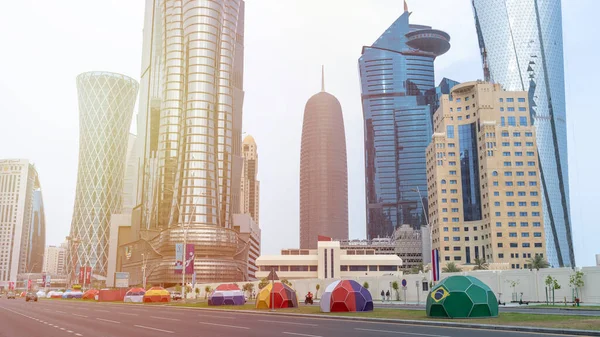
<point x="227" y="297"/>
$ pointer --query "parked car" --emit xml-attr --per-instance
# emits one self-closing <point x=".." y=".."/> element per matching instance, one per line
<point x="31" y="296"/>
<point x="176" y="296"/>
<point x="11" y="294"/>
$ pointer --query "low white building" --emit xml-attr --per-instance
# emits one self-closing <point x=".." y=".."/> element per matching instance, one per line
<point x="328" y="261"/>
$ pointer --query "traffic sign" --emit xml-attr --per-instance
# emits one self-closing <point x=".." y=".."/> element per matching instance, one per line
<point x="404" y="282"/>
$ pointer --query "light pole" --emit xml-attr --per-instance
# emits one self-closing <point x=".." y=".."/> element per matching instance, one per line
<point x="428" y="225"/>
<point x="144" y="261"/>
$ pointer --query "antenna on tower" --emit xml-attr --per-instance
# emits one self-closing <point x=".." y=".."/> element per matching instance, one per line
<point x="322" y="78"/>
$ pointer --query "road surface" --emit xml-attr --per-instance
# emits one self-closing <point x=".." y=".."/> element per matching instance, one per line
<point x="55" y="318"/>
<point x="521" y="309"/>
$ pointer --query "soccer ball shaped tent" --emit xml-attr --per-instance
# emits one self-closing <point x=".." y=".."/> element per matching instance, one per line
<point x="461" y="297"/>
<point x="279" y="295"/>
<point x="227" y="294"/>
<point x="90" y="294"/>
<point x="346" y="296"/>
<point x="157" y="294"/>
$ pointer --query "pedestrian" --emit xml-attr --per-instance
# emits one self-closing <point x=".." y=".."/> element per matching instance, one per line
<point x="382" y="296"/>
<point x="387" y="294"/>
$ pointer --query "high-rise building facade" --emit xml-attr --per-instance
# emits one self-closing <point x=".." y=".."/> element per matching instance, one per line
<point x="130" y="177"/>
<point x="55" y="260"/>
<point x="22" y="221"/>
<point x="323" y="171"/>
<point x="106" y="102"/>
<point x="521" y="48"/>
<point x="483" y="178"/>
<point x="397" y="89"/>
<point x="189" y="145"/>
<point x="250" y="186"/>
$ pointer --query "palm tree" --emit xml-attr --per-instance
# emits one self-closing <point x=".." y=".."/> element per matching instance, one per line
<point x="366" y="285"/>
<point x="480" y="264"/>
<point x="207" y="290"/>
<point x="538" y="262"/>
<point x="451" y="268"/>
<point x="396" y="287"/>
<point x="263" y="283"/>
<point x="318" y="286"/>
<point x="418" y="268"/>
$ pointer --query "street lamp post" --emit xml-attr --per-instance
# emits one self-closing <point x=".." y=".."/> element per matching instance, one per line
<point x="144" y="261"/>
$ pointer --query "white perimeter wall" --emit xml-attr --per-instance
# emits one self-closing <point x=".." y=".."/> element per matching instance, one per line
<point x="531" y="284"/>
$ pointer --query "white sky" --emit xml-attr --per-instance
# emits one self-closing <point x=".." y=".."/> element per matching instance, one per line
<point x="45" y="44"/>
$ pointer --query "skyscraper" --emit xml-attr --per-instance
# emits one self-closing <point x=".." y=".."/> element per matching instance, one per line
<point x="323" y="171"/>
<point x="22" y="222"/>
<point x="521" y="48"/>
<point x="250" y="189"/>
<point x="55" y="260"/>
<point x="397" y="90"/>
<point x="484" y="186"/>
<point x="106" y="102"/>
<point x="189" y="136"/>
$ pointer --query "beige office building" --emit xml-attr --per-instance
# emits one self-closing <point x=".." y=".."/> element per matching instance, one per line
<point x="483" y="178"/>
<point x="250" y="186"/>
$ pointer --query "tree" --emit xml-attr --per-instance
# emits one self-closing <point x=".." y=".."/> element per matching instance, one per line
<point x="263" y="283"/>
<point x="480" y="264"/>
<point x="366" y="285"/>
<point x="197" y="291"/>
<point x="248" y="287"/>
<point x="551" y="285"/>
<point x="451" y="267"/>
<point x="207" y="290"/>
<point x="318" y="286"/>
<point x="513" y="284"/>
<point x="538" y="262"/>
<point x="418" y="268"/>
<point x="576" y="282"/>
<point x="396" y="287"/>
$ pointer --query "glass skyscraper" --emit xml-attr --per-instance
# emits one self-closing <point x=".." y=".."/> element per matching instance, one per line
<point x="521" y="48"/>
<point x="397" y="87"/>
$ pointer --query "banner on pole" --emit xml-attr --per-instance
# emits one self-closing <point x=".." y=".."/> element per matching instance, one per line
<point x="11" y="286"/>
<point x="88" y="275"/>
<point x="194" y="280"/>
<point x="81" y="275"/>
<point x="48" y="280"/>
<point x="44" y="280"/>
<point x="189" y="260"/>
<point x="28" y="284"/>
<point x="178" y="258"/>
<point x="435" y="265"/>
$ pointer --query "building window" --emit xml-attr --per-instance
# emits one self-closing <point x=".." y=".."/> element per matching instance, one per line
<point x="452" y="182"/>
<point x="455" y="210"/>
<point x="516" y="134"/>
<point x="537" y="224"/>
<point x="497" y="203"/>
<point x="454" y="201"/>
<point x="510" y="194"/>
<point x="524" y="224"/>
<point x="522" y="193"/>
<point x="537" y="235"/>
<point x="529" y="144"/>
<point x="325" y="261"/>
<point x="526" y="245"/>
<point x="500" y="245"/>
<point x="455" y="220"/>
<point x="508" y="183"/>
<point x="453" y="191"/>
<point x="358" y="268"/>
<point x="498" y="214"/>
<point x="447" y="249"/>
<point x="535" y="203"/>
<point x="456" y="229"/>
<point x="508" y="173"/>
<point x="522" y="213"/>
<point x="332" y="264"/>
<point x="512" y="235"/>
<point x="530" y="163"/>
<point x="533" y="193"/>
<point x="446" y="229"/>
<point x="510" y="99"/>
<point x="456" y="238"/>
<point x="506" y="154"/>
<point x="511" y="119"/>
<point x="501" y="99"/>
<point x="521" y="100"/>
<point x="504" y="133"/>
<point x="522" y="203"/>
<point x="532" y="173"/>
<point x="537" y="245"/>
<point x="502" y="120"/>
<point x="343" y="268"/>
<point x="535" y="213"/>
<point x="498" y="224"/>
<point x="507" y="163"/>
<point x="450" y="131"/>
<point x="313" y="268"/>
<point x="513" y="245"/>
<point x="533" y="183"/>
<point x="372" y="268"/>
<point x="520" y="174"/>
<point x="500" y="255"/>
<point x="447" y="258"/>
<point x="496" y="193"/>
<point x="388" y="268"/>
<point x="519" y="154"/>
<point x="446" y="238"/>
<point x="499" y="234"/>
<point x="510" y="203"/>
<point x="506" y="143"/>
<point x="525" y="235"/>
<point x="520" y="183"/>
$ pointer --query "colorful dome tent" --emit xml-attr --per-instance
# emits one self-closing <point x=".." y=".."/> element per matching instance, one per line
<point x="134" y="295"/>
<point x="157" y="294"/>
<point x="279" y="295"/>
<point x="227" y="294"/>
<point x="90" y="294"/>
<point x="346" y="296"/>
<point x="462" y="297"/>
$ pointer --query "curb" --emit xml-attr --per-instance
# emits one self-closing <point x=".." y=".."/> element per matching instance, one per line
<point x="570" y="332"/>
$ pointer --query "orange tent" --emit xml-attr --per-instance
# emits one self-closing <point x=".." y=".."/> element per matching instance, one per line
<point x="157" y="294"/>
<point x="90" y="294"/>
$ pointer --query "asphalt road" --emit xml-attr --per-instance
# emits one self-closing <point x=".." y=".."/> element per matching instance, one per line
<point x="521" y="309"/>
<point x="55" y="318"/>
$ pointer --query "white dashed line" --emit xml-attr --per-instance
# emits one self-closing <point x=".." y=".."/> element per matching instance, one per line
<point x="79" y="315"/>
<point x="78" y="334"/>
<point x="165" y="318"/>
<point x="150" y="328"/>
<point x="300" y="334"/>
<point x="126" y="313"/>
<point x="101" y="310"/>
<point x="108" y="320"/>
<point x="225" y="325"/>
<point x="69" y="331"/>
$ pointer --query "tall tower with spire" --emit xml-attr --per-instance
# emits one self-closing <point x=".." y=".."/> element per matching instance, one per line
<point x="323" y="170"/>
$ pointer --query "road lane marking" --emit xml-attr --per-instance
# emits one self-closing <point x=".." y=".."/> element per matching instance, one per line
<point x="282" y="322"/>
<point x="165" y="318"/>
<point x="226" y="325"/>
<point x="62" y="328"/>
<point x="126" y="313"/>
<point x="101" y="310"/>
<point x="300" y="334"/>
<point x="69" y="331"/>
<point x="215" y="316"/>
<point x="79" y="315"/>
<point x="78" y="334"/>
<point x="401" y="332"/>
<point x="150" y="328"/>
<point x="108" y="320"/>
<point x="61" y="312"/>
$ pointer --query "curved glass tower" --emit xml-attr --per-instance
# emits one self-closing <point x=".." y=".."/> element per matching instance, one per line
<point x="106" y="102"/>
<point x="323" y="172"/>
<point x="397" y="86"/>
<point x="521" y="48"/>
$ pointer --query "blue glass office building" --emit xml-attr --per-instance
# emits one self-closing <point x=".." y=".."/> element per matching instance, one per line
<point x="397" y="84"/>
<point x="521" y="48"/>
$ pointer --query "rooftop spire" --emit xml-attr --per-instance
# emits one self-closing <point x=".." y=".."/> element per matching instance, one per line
<point x="322" y="78"/>
<point x="405" y="6"/>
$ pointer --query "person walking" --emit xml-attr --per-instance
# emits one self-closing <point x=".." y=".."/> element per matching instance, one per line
<point x="387" y="294"/>
<point x="382" y="296"/>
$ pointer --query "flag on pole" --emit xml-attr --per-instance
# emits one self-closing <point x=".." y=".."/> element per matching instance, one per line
<point x="189" y="260"/>
<point x="178" y="258"/>
<point x="435" y="265"/>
